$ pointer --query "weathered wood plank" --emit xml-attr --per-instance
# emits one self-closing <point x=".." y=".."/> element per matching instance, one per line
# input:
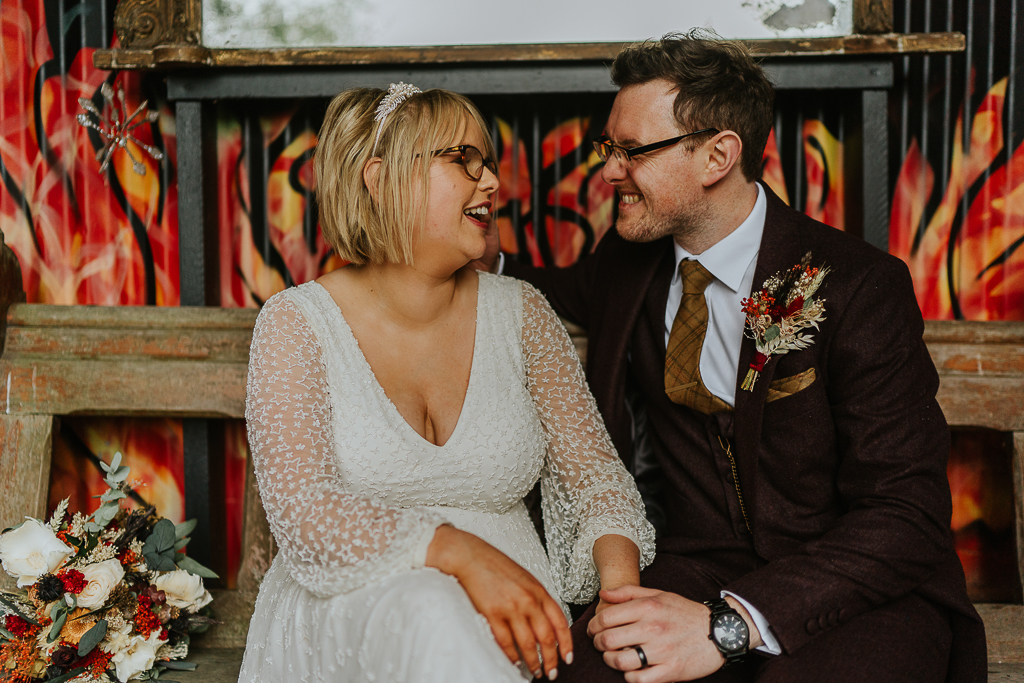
<point x="233" y="609"/>
<point x="1004" y="629"/>
<point x="992" y="402"/>
<point x="872" y="16"/>
<point x="26" y="443"/>
<point x="169" y="388"/>
<point x="179" y="56"/>
<point x="973" y="332"/>
<point x="258" y="547"/>
<point x="131" y="317"/>
<point x="182" y="343"/>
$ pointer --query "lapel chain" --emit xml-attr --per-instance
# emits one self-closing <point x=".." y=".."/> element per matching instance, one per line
<point x="736" y="480"/>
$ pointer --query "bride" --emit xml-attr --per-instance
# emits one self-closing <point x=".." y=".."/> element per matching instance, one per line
<point x="398" y="411"/>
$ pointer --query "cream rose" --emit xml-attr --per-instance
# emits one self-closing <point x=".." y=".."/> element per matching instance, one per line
<point x="31" y="550"/>
<point x="184" y="590"/>
<point x="102" y="578"/>
<point x="139" y="656"/>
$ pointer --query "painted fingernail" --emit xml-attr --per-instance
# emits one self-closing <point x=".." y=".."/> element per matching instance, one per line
<point x="553" y="674"/>
<point x="537" y="673"/>
<point x="568" y="658"/>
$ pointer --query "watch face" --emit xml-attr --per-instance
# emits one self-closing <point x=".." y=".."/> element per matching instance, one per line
<point x="730" y="632"/>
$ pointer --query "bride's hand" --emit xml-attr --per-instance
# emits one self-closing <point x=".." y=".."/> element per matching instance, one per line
<point x="515" y="604"/>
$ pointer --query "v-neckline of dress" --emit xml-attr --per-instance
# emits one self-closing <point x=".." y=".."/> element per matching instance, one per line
<point x="347" y="332"/>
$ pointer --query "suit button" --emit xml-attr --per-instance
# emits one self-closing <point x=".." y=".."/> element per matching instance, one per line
<point x="833" y="619"/>
<point x="812" y="626"/>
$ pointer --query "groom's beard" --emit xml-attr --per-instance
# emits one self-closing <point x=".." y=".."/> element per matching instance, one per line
<point x="685" y="221"/>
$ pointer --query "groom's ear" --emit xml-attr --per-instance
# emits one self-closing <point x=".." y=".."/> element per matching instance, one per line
<point x="371" y="176"/>
<point x="722" y="156"/>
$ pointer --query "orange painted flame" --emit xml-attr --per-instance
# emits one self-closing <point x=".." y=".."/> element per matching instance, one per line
<point x="987" y="273"/>
<point x="824" y="157"/>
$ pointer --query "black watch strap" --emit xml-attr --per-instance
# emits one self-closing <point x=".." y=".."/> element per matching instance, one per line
<point x="718" y="607"/>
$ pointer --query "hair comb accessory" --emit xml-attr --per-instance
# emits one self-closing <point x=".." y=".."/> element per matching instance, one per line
<point x="397" y="93"/>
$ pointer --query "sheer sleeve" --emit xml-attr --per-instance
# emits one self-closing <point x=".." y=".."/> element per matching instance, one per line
<point x="586" y="491"/>
<point x="333" y="540"/>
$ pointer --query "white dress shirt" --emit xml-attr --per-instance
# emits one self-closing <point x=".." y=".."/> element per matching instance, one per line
<point x="732" y="262"/>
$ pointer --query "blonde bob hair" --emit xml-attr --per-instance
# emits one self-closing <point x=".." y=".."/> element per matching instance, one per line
<point x="364" y="230"/>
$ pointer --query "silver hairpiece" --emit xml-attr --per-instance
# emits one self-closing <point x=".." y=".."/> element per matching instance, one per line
<point x="397" y="93"/>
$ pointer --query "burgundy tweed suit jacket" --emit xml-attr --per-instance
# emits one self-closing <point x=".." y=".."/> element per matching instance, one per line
<point x="844" y="481"/>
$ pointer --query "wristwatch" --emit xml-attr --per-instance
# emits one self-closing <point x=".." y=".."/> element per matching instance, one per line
<point x="728" y="631"/>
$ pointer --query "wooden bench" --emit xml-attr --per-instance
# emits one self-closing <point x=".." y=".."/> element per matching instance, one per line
<point x="191" y="362"/>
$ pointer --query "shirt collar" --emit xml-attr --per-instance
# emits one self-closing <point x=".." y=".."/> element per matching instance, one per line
<point x="738" y="247"/>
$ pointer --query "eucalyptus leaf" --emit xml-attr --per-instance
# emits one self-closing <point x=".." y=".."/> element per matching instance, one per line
<point x="159" y="547"/>
<point x="185" y="528"/>
<point x="115" y="462"/>
<point x="179" y="665"/>
<point x="57" y="608"/>
<point x="160" y="562"/>
<point x="66" y="677"/>
<point x="112" y="495"/>
<point x="58" y="624"/>
<point x="772" y="333"/>
<point x="118" y="475"/>
<point x="93" y="527"/>
<point x="6" y="634"/>
<point x="92" y="638"/>
<point x="162" y="537"/>
<point x="181" y="544"/>
<point x="192" y="567"/>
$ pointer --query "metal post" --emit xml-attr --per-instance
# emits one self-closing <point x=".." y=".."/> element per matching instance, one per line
<point x="874" y="106"/>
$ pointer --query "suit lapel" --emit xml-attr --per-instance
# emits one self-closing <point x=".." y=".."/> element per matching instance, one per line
<point x="779" y="250"/>
<point x="627" y="291"/>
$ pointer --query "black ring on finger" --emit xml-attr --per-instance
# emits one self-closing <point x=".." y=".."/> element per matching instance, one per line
<point x="643" y="657"/>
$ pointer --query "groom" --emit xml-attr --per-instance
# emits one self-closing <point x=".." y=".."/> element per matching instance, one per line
<point x="804" y="496"/>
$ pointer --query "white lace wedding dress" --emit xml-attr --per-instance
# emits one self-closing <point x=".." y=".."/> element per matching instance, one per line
<point x="353" y="493"/>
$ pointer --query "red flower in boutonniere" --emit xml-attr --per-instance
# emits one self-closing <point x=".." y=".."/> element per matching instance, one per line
<point x="778" y="314"/>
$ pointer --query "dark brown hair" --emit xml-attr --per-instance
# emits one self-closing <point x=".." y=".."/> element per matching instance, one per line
<point x="718" y="85"/>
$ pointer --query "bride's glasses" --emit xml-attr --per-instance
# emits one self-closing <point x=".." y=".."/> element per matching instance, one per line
<point x="472" y="160"/>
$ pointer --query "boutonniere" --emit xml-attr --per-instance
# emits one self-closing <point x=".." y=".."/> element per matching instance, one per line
<point x="779" y="315"/>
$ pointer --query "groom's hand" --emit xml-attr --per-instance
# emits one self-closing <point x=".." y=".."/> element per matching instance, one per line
<point x="671" y="630"/>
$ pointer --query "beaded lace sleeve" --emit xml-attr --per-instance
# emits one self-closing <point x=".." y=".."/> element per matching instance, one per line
<point x="333" y="539"/>
<point x="586" y="491"/>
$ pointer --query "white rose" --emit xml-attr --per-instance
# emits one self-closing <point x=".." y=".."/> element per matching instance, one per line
<point x="102" y="578"/>
<point x="30" y="551"/>
<point x="139" y="656"/>
<point x="183" y="590"/>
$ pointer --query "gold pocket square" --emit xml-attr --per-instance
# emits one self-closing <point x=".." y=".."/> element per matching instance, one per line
<point x="787" y="386"/>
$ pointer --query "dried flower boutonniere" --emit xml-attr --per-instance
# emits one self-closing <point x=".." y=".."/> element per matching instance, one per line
<point x="778" y="314"/>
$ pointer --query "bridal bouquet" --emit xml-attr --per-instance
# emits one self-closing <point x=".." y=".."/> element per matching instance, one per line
<point x="107" y="597"/>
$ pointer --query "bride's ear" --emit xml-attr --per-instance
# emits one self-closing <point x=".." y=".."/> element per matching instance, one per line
<point x="371" y="175"/>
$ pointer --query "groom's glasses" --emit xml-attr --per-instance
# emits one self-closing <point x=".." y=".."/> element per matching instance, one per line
<point x="606" y="149"/>
<point x="472" y="160"/>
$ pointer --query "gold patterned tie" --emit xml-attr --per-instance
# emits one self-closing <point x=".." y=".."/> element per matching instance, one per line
<point x="682" y="356"/>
